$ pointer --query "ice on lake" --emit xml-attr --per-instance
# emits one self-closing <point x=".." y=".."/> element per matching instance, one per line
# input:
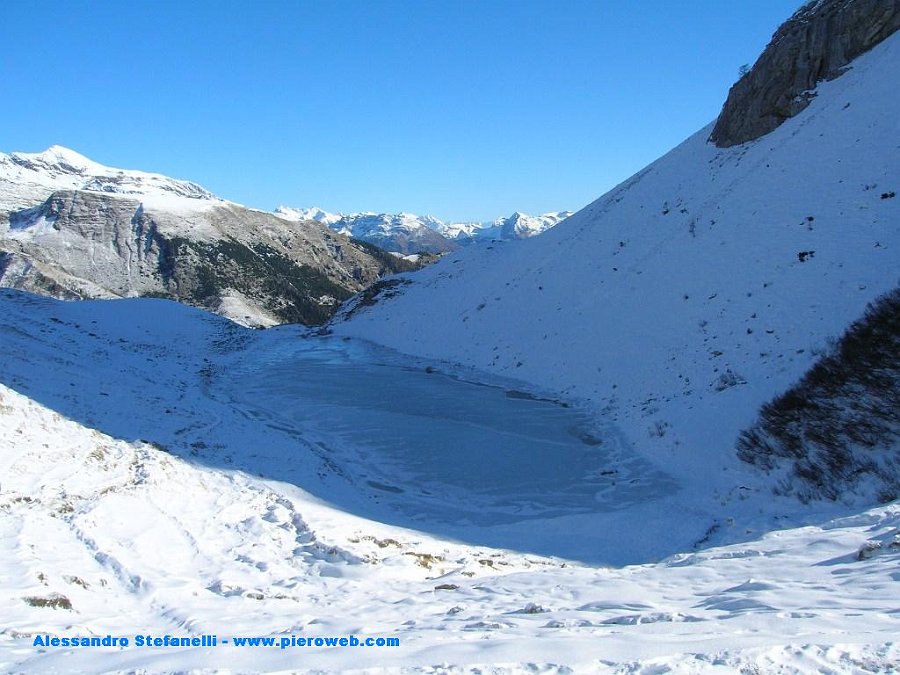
<point x="436" y="447"/>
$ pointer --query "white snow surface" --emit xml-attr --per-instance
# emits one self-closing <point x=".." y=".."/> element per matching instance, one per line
<point x="169" y="473"/>
<point x="27" y="179"/>
<point x="700" y="288"/>
<point x="234" y="305"/>
<point x="312" y="213"/>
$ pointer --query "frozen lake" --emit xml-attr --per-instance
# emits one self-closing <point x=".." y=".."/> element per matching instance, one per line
<point x="435" y="447"/>
<point x="363" y="429"/>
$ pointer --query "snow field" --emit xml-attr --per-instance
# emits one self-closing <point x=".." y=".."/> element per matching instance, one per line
<point x="168" y="536"/>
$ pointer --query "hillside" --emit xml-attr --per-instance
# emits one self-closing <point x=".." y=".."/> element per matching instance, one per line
<point x="700" y="288"/>
<point x="72" y="228"/>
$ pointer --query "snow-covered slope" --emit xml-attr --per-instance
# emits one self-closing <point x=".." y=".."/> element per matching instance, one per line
<point x="695" y="291"/>
<point x="167" y="484"/>
<point x="29" y="178"/>
<point x="409" y="233"/>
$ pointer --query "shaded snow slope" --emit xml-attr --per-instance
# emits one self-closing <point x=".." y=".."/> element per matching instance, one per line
<point x="162" y="524"/>
<point x="695" y="291"/>
<point x="478" y="460"/>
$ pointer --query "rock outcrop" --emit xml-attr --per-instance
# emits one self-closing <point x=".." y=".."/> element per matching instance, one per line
<point x="248" y="265"/>
<point x="815" y="44"/>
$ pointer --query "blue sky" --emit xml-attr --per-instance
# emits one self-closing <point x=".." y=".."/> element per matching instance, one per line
<point x="463" y="109"/>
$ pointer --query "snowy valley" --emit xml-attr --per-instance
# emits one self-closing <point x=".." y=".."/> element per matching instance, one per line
<point x="524" y="458"/>
<point x="159" y="478"/>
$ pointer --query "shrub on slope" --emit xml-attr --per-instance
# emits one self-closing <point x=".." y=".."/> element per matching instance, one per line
<point x="837" y="431"/>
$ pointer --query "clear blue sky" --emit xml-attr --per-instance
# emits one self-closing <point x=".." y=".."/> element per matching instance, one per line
<point x="463" y="109"/>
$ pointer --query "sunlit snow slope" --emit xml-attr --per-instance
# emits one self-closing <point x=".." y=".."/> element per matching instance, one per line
<point x="27" y="178"/>
<point x="693" y="292"/>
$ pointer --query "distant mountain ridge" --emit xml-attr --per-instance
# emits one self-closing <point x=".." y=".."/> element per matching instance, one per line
<point x="71" y="227"/>
<point x="408" y="233"/>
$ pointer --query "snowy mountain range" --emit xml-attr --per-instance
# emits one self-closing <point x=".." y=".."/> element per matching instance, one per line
<point x="408" y="233"/>
<point x="73" y="228"/>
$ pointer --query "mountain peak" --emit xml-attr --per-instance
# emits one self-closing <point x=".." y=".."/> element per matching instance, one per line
<point x="65" y="155"/>
<point x="407" y="232"/>
<point x="312" y="213"/>
<point x="61" y="168"/>
<point x="58" y="158"/>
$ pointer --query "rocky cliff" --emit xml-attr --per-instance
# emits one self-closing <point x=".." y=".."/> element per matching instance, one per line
<point x="815" y="44"/>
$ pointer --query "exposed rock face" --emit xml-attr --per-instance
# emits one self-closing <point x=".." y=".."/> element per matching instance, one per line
<point x="815" y="44"/>
<point x="245" y="264"/>
<point x="73" y="228"/>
